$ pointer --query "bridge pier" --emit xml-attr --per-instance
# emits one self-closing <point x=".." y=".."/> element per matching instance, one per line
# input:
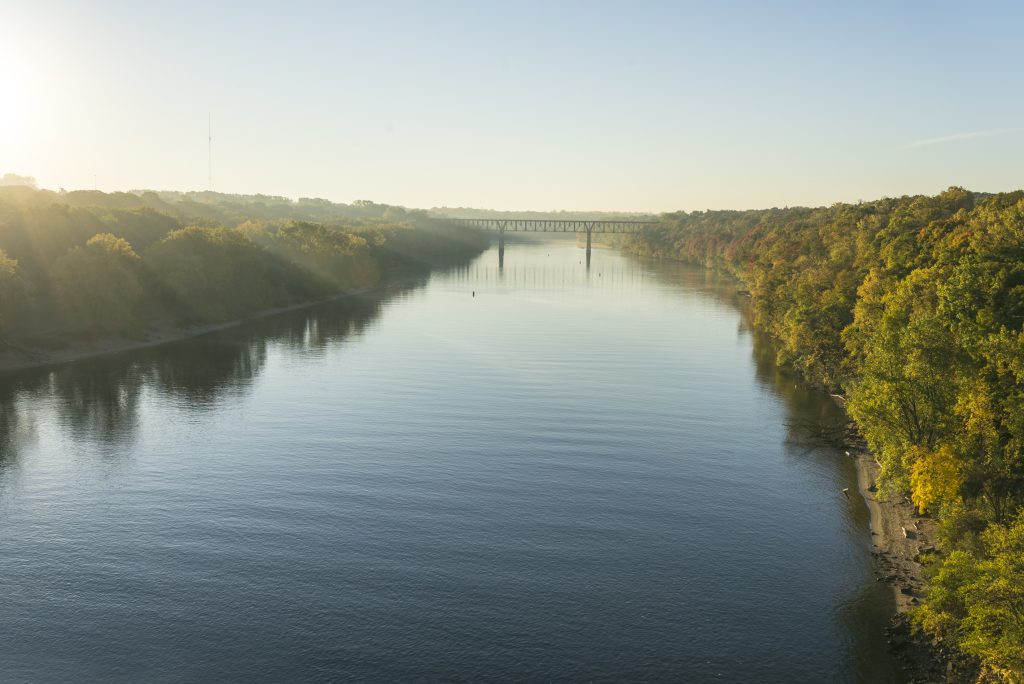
<point x="590" y="229"/>
<point x="551" y="225"/>
<point x="501" y="247"/>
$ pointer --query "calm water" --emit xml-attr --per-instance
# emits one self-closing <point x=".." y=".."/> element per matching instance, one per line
<point x="570" y="476"/>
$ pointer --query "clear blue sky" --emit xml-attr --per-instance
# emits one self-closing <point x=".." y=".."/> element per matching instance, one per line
<point x="641" y="106"/>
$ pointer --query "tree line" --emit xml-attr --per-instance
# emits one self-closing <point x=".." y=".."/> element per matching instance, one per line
<point x="913" y="308"/>
<point x="94" y="265"/>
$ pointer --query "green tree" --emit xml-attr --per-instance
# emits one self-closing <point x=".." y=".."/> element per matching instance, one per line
<point x="11" y="289"/>
<point x="216" y="274"/>
<point x="978" y="601"/>
<point x="99" y="285"/>
<point x="904" y="397"/>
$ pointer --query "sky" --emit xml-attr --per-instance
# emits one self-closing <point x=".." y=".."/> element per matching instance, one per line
<point x="617" y="106"/>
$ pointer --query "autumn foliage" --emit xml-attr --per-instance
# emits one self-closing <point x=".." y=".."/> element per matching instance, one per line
<point x="913" y="308"/>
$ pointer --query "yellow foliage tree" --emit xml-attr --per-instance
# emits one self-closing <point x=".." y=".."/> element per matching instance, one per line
<point x="935" y="476"/>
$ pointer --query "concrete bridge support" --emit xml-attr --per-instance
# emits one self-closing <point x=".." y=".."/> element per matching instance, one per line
<point x="501" y="245"/>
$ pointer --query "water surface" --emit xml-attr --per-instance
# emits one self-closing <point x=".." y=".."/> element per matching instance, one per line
<point x="570" y="475"/>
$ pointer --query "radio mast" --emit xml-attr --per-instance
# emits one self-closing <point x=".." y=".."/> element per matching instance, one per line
<point x="209" y="151"/>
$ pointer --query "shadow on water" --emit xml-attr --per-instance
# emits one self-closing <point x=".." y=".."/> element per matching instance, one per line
<point x="15" y="430"/>
<point x="815" y="427"/>
<point x="99" y="399"/>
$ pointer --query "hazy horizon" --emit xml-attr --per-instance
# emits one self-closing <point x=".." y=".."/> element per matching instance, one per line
<point x="652" y="108"/>
<point x="524" y="210"/>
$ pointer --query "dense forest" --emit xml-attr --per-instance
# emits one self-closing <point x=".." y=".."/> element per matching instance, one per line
<point x="913" y="308"/>
<point x="93" y="265"/>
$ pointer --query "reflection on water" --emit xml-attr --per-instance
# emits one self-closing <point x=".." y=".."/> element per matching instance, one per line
<point x="528" y="473"/>
<point x="99" y="399"/>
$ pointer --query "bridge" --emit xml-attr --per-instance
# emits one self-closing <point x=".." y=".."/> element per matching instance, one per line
<point x="551" y="226"/>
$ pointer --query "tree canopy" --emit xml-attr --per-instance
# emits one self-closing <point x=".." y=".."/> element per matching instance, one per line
<point x="914" y="309"/>
<point x="93" y="264"/>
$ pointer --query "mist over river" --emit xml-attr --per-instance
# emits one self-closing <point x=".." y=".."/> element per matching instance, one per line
<point x="537" y="473"/>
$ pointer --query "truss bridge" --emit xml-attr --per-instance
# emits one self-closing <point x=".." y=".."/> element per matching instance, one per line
<point x="551" y="226"/>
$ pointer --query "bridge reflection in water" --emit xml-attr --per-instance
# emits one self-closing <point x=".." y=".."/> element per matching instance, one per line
<point x="565" y="272"/>
<point x="551" y="226"/>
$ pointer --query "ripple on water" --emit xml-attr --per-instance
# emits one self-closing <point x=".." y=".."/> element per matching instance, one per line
<point x="564" y="477"/>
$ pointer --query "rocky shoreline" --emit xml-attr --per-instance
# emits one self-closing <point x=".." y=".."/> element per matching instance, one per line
<point x="902" y="540"/>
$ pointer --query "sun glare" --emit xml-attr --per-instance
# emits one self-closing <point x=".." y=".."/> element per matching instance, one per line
<point x="17" y="103"/>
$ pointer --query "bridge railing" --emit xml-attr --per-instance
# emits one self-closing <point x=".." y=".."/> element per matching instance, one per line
<point x="554" y="225"/>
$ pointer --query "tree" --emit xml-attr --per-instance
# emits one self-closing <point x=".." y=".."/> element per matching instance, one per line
<point x="99" y="286"/>
<point x="10" y="287"/>
<point x="978" y="601"/>
<point x="904" y="397"/>
<point x="216" y="274"/>
<point x="13" y="179"/>
<point x="935" y="477"/>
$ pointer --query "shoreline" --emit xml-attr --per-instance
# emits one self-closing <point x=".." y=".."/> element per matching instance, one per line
<point x="14" y="359"/>
<point x="899" y="538"/>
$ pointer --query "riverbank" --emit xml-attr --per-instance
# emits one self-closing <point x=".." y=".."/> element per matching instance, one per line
<point x="15" y="357"/>
<point x="900" y="537"/>
<point x="901" y="541"/>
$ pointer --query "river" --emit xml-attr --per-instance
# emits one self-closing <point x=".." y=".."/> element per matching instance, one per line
<point x="537" y="473"/>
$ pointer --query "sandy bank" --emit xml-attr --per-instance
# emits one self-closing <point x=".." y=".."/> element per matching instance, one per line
<point x="900" y="537"/>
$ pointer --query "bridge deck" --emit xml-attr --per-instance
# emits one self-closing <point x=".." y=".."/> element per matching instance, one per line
<point x="555" y="225"/>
